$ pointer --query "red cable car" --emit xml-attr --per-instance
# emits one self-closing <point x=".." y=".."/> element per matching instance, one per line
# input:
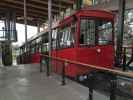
<point x="88" y="37"/>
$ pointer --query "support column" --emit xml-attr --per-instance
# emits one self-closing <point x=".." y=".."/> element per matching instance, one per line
<point x="25" y="21"/>
<point x="38" y="26"/>
<point x="50" y="31"/>
<point x="120" y="32"/>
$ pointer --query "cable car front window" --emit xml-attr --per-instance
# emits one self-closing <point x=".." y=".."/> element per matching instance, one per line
<point x="105" y="32"/>
<point x="95" y="32"/>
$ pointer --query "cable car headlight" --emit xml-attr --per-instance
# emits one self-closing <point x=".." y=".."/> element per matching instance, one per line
<point x="98" y="50"/>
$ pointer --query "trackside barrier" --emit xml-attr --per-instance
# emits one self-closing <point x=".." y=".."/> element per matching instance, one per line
<point x="113" y="83"/>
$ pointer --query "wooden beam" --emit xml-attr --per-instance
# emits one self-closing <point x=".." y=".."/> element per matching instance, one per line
<point x="32" y="23"/>
<point x="66" y="1"/>
<point x="35" y="16"/>
<point x="19" y="8"/>
<point x="32" y="6"/>
<point x="46" y="3"/>
<point x="20" y="14"/>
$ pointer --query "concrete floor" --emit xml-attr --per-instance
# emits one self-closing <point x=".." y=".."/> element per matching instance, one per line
<point x="25" y="82"/>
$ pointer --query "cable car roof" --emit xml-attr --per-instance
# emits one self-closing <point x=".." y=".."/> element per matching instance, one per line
<point x="88" y="13"/>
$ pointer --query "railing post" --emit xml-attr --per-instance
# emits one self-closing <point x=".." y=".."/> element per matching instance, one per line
<point x="50" y="34"/>
<point x="90" y="83"/>
<point x="47" y="63"/>
<point x="124" y="60"/>
<point x="91" y="79"/>
<point x="41" y="64"/>
<point x="113" y="89"/>
<point x="90" y="93"/>
<point x="63" y="74"/>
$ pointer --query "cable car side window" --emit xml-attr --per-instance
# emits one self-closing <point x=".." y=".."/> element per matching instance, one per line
<point x="73" y="30"/>
<point x="66" y="36"/>
<point x="45" y="43"/>
<point x="54" y="38"/>
<point x="32" y="47"/>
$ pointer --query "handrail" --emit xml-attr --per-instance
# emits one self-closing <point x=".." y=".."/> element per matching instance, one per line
<point x="127" y="47"/>
<point x="113" y="71"/>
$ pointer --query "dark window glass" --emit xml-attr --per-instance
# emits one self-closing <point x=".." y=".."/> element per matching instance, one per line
<point x="44" y="43"/>
<point x="33" y="49"/>
<point x="45" y="47"/>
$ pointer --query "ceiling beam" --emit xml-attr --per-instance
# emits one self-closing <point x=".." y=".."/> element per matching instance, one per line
<point x="32" y="23"/>
<point x="46" y="3"/>
<point x="35" y="17"/>
<point x="66" y="1"/>
<point x="20" y="14"/>
<point x="31" y="5"/>
<point x="36" y="9"/>
<point x="8" y="6"/>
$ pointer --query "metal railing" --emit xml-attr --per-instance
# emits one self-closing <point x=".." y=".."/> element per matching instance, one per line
<point x="113" y="72"/>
